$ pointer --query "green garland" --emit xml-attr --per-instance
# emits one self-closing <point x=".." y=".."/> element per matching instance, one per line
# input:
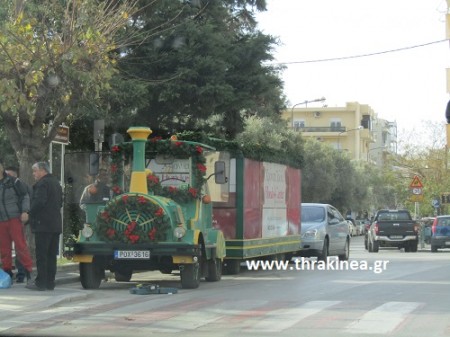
<point x="132" y="218"/>
<point x="178" y="149"/>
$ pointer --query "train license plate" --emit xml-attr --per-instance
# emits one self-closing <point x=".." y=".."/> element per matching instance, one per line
<point x="132" y="254"/>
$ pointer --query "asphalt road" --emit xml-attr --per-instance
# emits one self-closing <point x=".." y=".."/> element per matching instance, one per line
<point x="390" y="293"/>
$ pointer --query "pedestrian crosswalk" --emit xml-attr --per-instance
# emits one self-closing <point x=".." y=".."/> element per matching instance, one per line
<point x="244" y="317"/>
<point x="382" y="319"/>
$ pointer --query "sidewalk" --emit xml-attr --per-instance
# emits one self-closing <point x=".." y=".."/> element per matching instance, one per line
<point x="18" y="298"/>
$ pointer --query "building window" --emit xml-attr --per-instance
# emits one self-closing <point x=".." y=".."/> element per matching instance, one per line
<point x="299" y="124"/>
<point x="335" y="125"/>
<point x="366" y="122"/>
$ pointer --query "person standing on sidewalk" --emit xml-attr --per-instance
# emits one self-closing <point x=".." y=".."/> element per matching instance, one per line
<point x="46" y="224"/>
<point x="13" y="172"/>
<point x="14" y="207"/>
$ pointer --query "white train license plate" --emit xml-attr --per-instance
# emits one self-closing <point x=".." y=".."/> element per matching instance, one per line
<point x="132" y="254"/>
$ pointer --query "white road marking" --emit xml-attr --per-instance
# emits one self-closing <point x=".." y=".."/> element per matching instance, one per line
<point x="382" y="319"/>
<point x="282" y="319"/>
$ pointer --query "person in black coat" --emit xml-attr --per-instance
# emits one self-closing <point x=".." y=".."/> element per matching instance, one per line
<point x="46" y="224"/>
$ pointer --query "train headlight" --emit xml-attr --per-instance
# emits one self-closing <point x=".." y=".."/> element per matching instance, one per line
<point x="87" y="231"/>
<point x="179" y="232"/>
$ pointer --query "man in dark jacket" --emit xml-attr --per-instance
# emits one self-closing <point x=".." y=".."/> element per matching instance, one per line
<point x="14" y="207"/>
<point x="97" y="192"/>
<point x="46" y="224"/>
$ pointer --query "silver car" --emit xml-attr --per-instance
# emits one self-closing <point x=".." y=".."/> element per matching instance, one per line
<point x="324" y="232"/>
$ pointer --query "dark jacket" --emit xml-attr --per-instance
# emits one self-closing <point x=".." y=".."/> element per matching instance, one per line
<point x="13" y="198"/>
<point x="46" y="203"/>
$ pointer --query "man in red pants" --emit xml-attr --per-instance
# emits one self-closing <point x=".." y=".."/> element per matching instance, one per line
<point x="14" y="208"/>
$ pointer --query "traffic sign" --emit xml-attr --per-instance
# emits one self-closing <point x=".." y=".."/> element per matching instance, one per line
<point x="416" y="183"/>
<point x="436" y="203"/>
<point x="416" y="198"/>
<point x="416" y="190"/>
<point x="62" y="135"/>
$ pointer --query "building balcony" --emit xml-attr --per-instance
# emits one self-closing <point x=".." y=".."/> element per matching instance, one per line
<point x="321" y="129"/>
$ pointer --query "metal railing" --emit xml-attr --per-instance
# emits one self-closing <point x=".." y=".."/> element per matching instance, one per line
<point x="320" y="129"/>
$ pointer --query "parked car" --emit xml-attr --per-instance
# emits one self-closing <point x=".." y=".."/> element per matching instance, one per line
<point x="440" y="233"/>
<point x="324" y="232"/>
<point x="361" y="224"/>
<point x="352" y="228"/>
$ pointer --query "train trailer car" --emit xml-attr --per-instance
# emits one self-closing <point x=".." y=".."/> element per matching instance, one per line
<point x="260" y="216"/>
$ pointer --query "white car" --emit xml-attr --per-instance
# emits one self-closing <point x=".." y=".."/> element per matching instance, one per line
<point x="324" y="232"/>
<point x="353" y="228"/>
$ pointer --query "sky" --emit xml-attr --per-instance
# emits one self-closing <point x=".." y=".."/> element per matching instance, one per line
<point x="406" y="86"/>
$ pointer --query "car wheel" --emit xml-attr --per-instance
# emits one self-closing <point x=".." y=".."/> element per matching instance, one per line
<point x="346" y="255"/>
<point x="413" y="246"/>
<point x="434" y="249"/>
<point x="324" y="254"/>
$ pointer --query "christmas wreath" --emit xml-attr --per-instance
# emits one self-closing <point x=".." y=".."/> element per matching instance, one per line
<point x="133" y="218"/>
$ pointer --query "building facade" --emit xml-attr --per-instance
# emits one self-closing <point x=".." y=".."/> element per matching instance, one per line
<point x="353" y="129"/>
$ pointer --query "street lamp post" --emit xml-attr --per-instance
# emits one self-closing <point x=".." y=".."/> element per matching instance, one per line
<point x="340" y="133"/>
<point x="306" y="105"/>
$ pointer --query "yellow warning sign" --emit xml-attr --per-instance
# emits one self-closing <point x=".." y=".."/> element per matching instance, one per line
<point x="416" y="183"/>
<point x="416" y="198"/>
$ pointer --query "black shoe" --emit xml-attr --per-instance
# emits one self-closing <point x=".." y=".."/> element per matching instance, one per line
<point x="33" y="286"/>
<point x="28" y="276"/>
<point x="10" y="273"/>
<point x="20" y="279"/>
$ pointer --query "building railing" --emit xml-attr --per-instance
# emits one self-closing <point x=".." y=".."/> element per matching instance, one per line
<point x="320" y="129"/>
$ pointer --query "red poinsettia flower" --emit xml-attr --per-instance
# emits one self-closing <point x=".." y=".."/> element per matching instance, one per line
<point x="141" y="200"/>
<point x="134" y="238"/>
<point x="199" y="149"/>
<point x="111" y="232"/>
<point x="153" y="179"/>
<point x="113" y="168"/>
<point x="178" y="144"/>
<point x="125" y="198"/>
<point x="193" y="191"/>
<point x="116" y="189"/>
<point x="152" y="234"/>
<point x="105" y="215"/>
<point x="172" y="189"/>
<point x="201" y="167"/>
<point x="115" y="148"/>
<point x="159" y="212"/>
<point x="131" y="226"/>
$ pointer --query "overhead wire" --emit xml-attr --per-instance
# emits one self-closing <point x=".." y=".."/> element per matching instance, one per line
<point x="363" y="55"/>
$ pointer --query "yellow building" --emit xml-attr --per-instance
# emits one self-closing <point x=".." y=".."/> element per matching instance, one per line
<point x="350" y="129"/>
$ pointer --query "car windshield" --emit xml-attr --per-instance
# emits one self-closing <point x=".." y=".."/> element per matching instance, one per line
<point x="392" y="216"/>
<point x="313" y="214"/>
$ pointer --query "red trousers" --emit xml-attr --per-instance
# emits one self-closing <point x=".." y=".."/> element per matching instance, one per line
<point x="12" y="231"/>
